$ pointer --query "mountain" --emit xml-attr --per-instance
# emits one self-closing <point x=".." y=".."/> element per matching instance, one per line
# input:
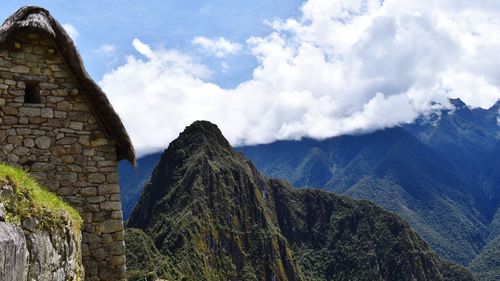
<point x="395" y="170"/>
<point x="487" y="263"/>
<point x="210" y="214"/>
<point x="489" y="177"/>
<point x="462" y="135"/>
<point x="441" y="174"/>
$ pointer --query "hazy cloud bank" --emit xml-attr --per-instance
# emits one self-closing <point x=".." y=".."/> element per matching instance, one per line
<point x="342" y="67"/>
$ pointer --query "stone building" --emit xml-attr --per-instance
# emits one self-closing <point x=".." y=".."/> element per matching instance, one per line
<point x="56" y="123"/>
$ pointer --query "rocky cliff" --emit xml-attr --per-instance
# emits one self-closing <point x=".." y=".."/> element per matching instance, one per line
<point x="213" y="216"/>
<point x="39" y="234"/>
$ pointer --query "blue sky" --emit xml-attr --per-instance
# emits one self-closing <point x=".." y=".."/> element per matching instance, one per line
<point x="282" y="69"/>
<point x="172" y="24"/>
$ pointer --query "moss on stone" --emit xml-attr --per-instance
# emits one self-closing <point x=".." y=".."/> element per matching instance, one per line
<point x="30" y="200"/>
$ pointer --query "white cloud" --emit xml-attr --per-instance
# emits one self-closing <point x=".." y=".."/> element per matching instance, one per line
<point x="342" y="67"/>
<point x="106" y="50"/>
<point x="71" y="30"/>
<point x="220" y="47"/>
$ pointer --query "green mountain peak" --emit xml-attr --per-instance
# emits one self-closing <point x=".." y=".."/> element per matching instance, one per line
<point x="212" y="216"/>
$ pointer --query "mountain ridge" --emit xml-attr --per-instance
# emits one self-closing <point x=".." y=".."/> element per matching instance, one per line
<point x="228" y="221"/>
<point x="311" y="162"/>
<point x="417" y="171"/>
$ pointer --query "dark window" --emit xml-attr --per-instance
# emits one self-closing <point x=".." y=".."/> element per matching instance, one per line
<point x="32" y="93"/>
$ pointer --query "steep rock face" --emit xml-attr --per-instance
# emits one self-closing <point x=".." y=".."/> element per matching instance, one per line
<point x="215" y="217"/>
<point x="13" y="252"/>
<point x="53" y="255"/>
<point x="37" y="242"/>
<point x="30" y="253"/>
<point x="206" y="207"/>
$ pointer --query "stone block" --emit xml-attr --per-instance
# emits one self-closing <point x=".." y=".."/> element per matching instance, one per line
<point x="96" y="178"/>
<point x="117" y="260"/>
<point x="117" y="248"/>
<point x="40" y="167"/>
<point x="43" y="142"/>
<point x="15" y="140"/>
<point x="21" y="151"/>
<point x="69" y="177"/>
<point x="90" y="238"/>
<point x="29" y="143"/>
<point x="88" y="191"/>
<point x="30" y="111"/>
<point x="9" y="120"/>
<point x="99" y="254"/>
<point x="107" y="189"/>
<point x="20" y="69"/>
<point x="110" y="206"/>
<point x="96" y="199"/>
<point x="99" y="142"/>
<point x="76" y="125"/>
<point x="67" y="140"/>
<point x="9" y="110"/>
<point x="111" y="226"/>
<point x="118" y="236"/>
<point x="65" y="191"/>
<point x="117" y="215"/>
<point x="106" y="274"/>
<point x="47" y="113"/>
<point x="64" y="106"/>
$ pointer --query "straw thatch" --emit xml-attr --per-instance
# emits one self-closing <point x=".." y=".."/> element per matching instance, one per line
<point x="39" y="20"/>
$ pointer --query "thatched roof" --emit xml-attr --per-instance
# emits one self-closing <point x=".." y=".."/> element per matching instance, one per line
<point x="39" y="20"/>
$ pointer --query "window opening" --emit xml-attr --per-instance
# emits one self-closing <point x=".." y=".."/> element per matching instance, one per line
<point x="32" y="92"/>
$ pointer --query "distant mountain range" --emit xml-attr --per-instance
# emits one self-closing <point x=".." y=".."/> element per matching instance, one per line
<point x="441" y="174"/>
<point x="208" y="214"/>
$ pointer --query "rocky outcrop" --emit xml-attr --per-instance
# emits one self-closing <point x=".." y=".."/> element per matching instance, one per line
<point x="39" y="241"/>
<point x="13" y="252"/>
<point x="53" y="255"/>
<point x="38" y="255"/>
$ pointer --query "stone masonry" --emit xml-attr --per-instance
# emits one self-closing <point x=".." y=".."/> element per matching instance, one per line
<point x="61" y="143"/>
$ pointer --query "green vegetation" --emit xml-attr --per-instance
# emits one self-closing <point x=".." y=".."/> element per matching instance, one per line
<point x="395" y="170"/>
<point x="32" y="201"/>
<point x="144" y="261"/>
<point x="487" y="264"/>
<point x="201" y="232"/>
<point x="441" y="174"/>
<point x="210" y="213"/>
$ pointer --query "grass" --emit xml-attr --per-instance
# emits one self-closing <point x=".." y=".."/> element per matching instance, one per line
<point x="33" y="201"/>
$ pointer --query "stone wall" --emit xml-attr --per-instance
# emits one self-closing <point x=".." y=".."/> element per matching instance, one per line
<point x="60" y="142"/>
